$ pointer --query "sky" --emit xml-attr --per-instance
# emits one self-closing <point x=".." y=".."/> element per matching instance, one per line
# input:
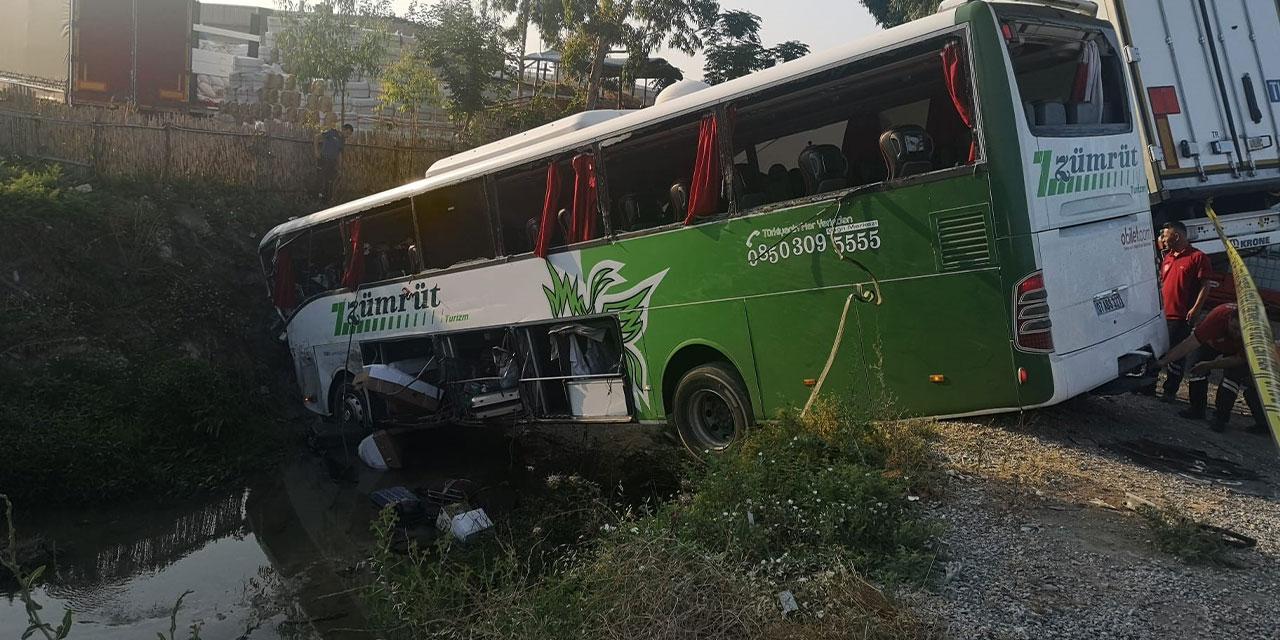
<point x="821" y="24"/>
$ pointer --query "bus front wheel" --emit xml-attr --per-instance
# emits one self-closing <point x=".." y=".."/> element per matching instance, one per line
<point x="711" y="408"/>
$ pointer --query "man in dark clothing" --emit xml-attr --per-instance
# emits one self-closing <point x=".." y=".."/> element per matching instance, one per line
<point x="1184" y="283"/>
<point x="1218" y="344"/>
<point x="328" y="151"/>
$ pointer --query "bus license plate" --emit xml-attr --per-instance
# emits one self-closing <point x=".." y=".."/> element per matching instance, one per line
<point x="1108" y="303"/>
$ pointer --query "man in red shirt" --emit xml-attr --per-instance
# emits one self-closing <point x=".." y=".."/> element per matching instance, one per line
<point x="1218" y="344"/>
<point x="1184" y="281"/>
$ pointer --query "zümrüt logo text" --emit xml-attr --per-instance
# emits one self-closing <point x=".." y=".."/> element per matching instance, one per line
<point x="415" y="305"/>
<point x="1080" y="171"/>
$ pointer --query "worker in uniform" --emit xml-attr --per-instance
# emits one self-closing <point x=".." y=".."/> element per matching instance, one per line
<point x="1218" y="344"/>
<point x="1184" y="283"/>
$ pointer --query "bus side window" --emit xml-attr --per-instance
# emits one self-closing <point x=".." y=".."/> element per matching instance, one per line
<point x="521" y="195"/>
<point x="823" y="133"/>
<point x="454" y="225"/>
<point x="321" y="270"/>
<point x="650" y="173"/>
<point x="388" y="236"/>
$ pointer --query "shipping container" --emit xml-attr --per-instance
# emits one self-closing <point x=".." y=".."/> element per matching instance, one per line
<point x="100" y="51"/>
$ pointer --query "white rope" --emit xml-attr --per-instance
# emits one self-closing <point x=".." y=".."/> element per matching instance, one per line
<point x="831" y="357"/>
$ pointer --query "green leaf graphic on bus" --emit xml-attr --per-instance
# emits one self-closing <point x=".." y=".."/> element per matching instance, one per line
<point x="606" y="293"/>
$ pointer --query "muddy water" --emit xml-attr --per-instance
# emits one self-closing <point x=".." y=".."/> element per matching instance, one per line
<point x="277" y="559"/>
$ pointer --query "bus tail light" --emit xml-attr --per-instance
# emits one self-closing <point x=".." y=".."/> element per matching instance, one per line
<point x="1032" y="328"/>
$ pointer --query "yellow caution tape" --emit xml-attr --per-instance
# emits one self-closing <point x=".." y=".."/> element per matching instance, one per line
<point x="1259" y="346"/>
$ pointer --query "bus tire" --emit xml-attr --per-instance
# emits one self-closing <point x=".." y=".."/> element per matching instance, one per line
<point x="711" y="408"/>
<point x="350" y="406"/>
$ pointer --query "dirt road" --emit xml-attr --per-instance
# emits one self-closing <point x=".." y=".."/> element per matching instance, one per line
<point x="1041" y="546"/>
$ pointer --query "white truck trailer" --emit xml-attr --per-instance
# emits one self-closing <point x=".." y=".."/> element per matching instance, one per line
<point x="1207" y="78"/>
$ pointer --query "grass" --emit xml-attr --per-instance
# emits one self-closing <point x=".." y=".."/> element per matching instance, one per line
<point x="818" y="506"/>
<point x="1181" y="536"/>
<point x="133" y="342"/>
<point x="85" y="430"/>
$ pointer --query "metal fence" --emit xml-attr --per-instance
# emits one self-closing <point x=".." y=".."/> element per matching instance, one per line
<point x="120" y="144"/>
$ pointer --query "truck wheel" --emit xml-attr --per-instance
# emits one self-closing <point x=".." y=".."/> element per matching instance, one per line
<point x="711" y="408"/>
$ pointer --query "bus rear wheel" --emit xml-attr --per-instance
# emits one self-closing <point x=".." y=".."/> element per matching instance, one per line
<point x="711" y="408"/>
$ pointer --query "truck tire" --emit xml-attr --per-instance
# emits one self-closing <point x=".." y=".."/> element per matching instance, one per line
<point x="711" y="408"/>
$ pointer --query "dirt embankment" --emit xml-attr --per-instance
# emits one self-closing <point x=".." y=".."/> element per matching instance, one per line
<point x="133" y="348"/>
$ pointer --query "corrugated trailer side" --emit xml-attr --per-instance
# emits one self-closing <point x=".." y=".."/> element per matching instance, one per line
<point x="102" y="51"/>
<point x="1207" y="77"/>
<point x="163" y="60"/>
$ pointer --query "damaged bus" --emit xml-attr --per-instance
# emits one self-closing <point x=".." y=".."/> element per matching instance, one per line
<point x="951" y="213"/>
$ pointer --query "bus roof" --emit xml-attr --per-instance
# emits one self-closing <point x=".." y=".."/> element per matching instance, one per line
<point x="517" y="150"/>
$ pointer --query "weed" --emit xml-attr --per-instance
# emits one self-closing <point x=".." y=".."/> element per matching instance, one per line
<point x="805" y="492"/>
<point x="1179" y="535"/>
<point x="808" y="505"/>
<point x="128" y="342"/>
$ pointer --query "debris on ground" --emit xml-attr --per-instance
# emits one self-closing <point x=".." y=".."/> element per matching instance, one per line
<point x="461" y="521"/>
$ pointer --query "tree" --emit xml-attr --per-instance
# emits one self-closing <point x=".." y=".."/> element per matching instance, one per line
<point x="407" y="83"/>
<point x="734" y="48"/>
<point x="333" y="40"/>
<point x="891" y="13"/>
<point x="586" y="31"/>
<point x="465" y="49"/>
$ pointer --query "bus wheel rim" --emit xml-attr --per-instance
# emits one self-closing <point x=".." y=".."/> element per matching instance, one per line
<point x="711" y="418"/>
<point x="352" y="407"/>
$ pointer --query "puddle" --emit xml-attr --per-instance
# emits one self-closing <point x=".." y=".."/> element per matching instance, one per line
<point x="1191" y="463"/>
<point x="274" y="561"/>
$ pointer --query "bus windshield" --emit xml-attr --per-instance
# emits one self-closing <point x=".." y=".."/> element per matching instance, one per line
<point x="1069" y="79"/>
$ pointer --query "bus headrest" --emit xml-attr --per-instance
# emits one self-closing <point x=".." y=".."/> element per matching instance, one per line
<point x="907" y="150"/>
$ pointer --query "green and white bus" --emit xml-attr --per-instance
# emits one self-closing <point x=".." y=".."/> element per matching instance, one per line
<point x="951" y="213"/>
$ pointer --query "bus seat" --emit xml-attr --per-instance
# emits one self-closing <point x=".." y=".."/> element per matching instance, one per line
<point x="824" y="168"/>
<point x="629" y="212"/>
<point x="563" y="218"/>
<point x="1083" y="113"/>
<point x="679" y="196"/>
<point x="777" y="184"/>
<point x="1030" y="110"/>
<point x="1111" y="113"/>
<point x="637" y="212"/>
<point x="907" y="150"/>
<point x="1050" y="113"/>
<point x="748" y="187"/>
<point x="795" y="178"/>
<point x="531" y="229"/>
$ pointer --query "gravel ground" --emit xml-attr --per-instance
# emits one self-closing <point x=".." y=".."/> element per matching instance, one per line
<point x="1041" y="546"/>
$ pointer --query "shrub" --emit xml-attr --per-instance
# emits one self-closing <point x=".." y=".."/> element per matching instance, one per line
<point x="808" y="505"/>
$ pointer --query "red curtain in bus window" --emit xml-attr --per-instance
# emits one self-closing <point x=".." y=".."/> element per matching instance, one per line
<point x="704" y="191"/>
<point x="284" y="294"/>
<point x="958" y="87"/>
<point x="354" y="276"/>
<point x="582" y="226"/>
<point x="552" y="198"/>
